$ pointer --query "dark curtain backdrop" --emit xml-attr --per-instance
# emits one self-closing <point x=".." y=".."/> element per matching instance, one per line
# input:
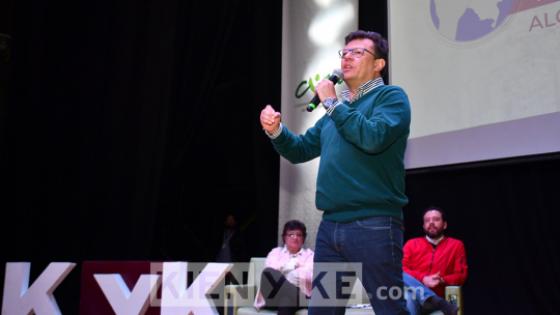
<point x="130" y="128"/>
<point x="507" y="216"/>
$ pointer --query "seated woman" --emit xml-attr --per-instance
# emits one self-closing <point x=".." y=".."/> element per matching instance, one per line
<point x="288" y="272"/>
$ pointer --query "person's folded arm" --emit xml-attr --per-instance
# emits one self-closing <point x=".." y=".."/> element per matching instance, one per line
<point x="460" y="269"/>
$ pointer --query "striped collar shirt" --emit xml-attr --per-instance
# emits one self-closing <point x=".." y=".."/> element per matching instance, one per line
<point x="363" y="89"/>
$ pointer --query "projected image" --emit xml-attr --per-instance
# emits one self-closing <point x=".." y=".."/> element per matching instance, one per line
<point x="482" y="76"/>
<point x="466" y="20"/>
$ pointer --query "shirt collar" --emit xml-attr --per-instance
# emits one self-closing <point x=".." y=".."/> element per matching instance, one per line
<point x="362" y="90"/>
<point x="285" y="250"/>
<point x="435" y="241"/>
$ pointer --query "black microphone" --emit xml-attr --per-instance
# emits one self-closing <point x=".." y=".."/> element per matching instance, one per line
<point x="335" y="76"/>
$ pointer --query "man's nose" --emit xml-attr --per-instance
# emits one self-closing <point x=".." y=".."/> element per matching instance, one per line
<point x="347" y="56"/>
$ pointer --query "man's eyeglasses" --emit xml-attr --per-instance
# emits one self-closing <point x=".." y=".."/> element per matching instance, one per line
<point x="294" y="235"/>
<point x="354" y="52"/>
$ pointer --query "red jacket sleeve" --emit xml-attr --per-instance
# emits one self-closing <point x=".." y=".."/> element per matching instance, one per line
<point x="408" y="261"/>
<point x="458" y="274"/>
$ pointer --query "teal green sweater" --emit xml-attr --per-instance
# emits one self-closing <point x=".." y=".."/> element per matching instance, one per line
<point x="362" y="144"/>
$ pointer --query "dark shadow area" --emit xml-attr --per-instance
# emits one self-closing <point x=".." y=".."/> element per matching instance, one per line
<point x="131" y="128"/>
<point x="506" y="213"/>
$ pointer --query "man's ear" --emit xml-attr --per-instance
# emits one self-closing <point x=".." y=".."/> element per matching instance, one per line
<point x="444" y="225"/>
<point x="379" y="65"/>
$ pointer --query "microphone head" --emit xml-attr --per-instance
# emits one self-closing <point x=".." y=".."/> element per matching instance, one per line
<point x="338" y="73"/>
<point x="311" y="107"/>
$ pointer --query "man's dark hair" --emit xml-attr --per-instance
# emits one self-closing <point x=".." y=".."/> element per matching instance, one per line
<point x="438" y="209"/>
<point x="380" y="45"/>
<point x="295" y="225"/>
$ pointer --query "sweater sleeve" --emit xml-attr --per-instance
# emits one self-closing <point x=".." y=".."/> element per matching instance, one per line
<point x="408" y="261"/>
<point x="300" y="148"/>
<point x="458" y="276"/>
<point x="389" y="120"/>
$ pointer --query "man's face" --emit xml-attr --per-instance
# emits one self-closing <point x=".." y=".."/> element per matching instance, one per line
<point x="434" y="224"/>
<point x="358" y="70"/>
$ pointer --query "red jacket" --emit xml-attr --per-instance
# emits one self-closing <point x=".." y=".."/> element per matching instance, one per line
<point x="448" y="257"/>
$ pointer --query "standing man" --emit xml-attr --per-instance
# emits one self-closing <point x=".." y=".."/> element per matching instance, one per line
<point x="360" y="185"/>
<point x="233" y="244"/>
<point x="432" y="262"/>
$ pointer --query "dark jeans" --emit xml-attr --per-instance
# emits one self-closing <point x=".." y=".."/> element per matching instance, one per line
<point x="280" y="294"/>
<point x="374" y="242"/>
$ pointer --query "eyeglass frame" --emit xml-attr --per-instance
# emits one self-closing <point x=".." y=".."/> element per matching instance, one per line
<point x="345" y="51"/>
<point x="294" y="235"/>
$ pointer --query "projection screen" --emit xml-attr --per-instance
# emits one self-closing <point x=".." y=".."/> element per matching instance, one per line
<point x="483" y="77"/>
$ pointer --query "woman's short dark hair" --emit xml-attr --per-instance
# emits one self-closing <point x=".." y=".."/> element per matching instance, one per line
<point x="380" y="45"/>
<point x="294" y="225"/>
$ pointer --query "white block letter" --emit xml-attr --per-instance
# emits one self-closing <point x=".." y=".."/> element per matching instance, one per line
<point x="121" y="299"/>
<point x="20" y="299"/>
<point x="176" y="299"/>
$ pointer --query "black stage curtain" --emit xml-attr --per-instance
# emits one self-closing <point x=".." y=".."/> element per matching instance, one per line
<point x="506" y="213"/>
<point x="132" y="128"/>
